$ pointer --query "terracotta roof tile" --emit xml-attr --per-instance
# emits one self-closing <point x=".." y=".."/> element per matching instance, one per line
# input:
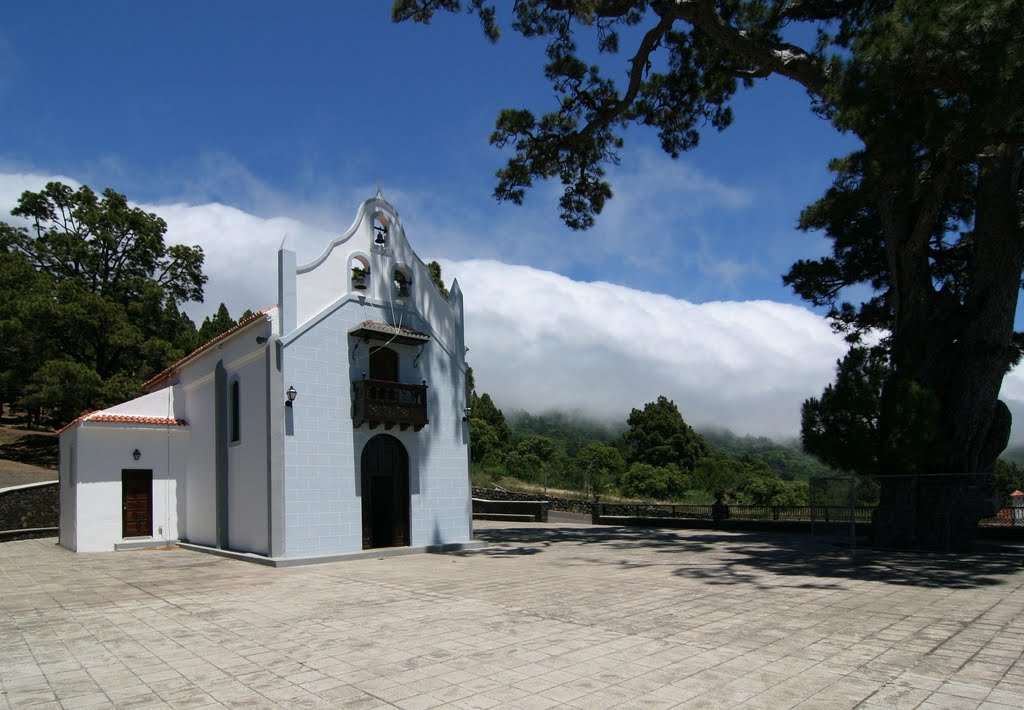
<point x="98" y="416"/>
<point x="166" y="374"/>
<point x="135" y="419"/>
<point x="75" y="421"/>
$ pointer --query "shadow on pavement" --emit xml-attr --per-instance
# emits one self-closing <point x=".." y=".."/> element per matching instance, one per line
<point x="745" y="558"/>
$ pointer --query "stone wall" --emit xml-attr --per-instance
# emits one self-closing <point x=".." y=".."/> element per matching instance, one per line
<point x="567" y="505"/>
<point x="32" y="506"/>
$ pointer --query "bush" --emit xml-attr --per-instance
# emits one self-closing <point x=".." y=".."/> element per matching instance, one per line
<point x="649" y="482"/>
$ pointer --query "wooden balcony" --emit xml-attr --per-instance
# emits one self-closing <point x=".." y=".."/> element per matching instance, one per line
<point x="376" y="402"/>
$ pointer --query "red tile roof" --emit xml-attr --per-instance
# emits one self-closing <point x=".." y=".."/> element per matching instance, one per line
<point x="136" y="419"/>
<point x="99" y="416"/>
<point x="150" y="384"/>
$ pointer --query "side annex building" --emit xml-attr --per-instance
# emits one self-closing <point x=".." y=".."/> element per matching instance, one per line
<point x="328" y="424"/>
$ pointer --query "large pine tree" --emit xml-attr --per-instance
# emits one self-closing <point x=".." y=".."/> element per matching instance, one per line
<point x="928" y="213"/>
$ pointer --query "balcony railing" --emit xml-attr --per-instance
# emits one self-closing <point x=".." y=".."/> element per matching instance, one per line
<point x="376" y="402"/>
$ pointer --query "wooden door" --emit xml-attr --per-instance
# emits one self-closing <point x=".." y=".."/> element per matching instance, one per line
<point x="383" y="364"/>
<point x="384" y="479"/>
<point x="136" y="503"/>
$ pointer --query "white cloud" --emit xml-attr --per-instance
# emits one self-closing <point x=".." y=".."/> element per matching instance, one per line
<point x="13" y="183"/>
<point x="241" y="251"/>
<point x="540" y="340"/>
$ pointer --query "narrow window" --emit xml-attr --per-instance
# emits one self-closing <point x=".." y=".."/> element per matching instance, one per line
<point x="236" y="412"/>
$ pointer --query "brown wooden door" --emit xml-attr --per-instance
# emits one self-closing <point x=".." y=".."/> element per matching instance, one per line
<point x="384" y="479"/>
<point x="383" y="364"/>
<point x="136" y="503"/>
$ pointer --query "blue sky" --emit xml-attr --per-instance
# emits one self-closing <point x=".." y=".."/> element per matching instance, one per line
<point x="240" y="122"/>
<point x="192" y="101"/>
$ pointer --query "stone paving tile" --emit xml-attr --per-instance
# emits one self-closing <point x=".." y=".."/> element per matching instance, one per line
<point x="551" y="616"/>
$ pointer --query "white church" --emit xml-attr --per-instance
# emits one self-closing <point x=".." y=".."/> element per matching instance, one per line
<point x="329" y="424"/>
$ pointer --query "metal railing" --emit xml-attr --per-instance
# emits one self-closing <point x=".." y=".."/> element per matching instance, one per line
<point x="1005" y="517"/>
<point x="817" y="513"/>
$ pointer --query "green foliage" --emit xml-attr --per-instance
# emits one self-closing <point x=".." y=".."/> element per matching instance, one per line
<point x="561" y="450"/>
<point x="924" y="217"/>
<point x="722" y="475"/>
<point x="658" y="436"/>
<point x="1009" y="477"/>
<point x="89" y="290"/>
<point x="841" y="428"/>
<point x="540" y="460"/>
<point x="573" y="430"/>
<point x="68" y="388"/>
<point x="435" y="275"/>
<point x="772" y="491"/>
<point x="598" y="466"/>
<point x="489" y="434"/>
<point x="105" y="245"/>
<point x="655" y="483"/>
<point x="213" y="326"/>
<point x="787" y="460"/>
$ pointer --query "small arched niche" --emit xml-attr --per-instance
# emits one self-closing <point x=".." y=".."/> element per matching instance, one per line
<point x="359" y="272"/>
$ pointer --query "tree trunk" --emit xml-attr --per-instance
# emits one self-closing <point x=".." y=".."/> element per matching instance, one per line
<point x="943" y="425"/>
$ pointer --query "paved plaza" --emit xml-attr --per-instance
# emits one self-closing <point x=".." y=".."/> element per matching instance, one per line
<point x="558" y="615"/>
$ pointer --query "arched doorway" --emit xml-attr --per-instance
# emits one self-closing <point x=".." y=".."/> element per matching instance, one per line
<point x="384" y="473"/>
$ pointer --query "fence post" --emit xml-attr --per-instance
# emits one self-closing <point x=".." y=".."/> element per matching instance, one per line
<point x="595" y="511"/>
<point x="719" y="510"/>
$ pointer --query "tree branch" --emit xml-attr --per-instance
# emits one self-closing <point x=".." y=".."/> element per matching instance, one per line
<point x="782" y="58"/>
<point x="640" y="62"/>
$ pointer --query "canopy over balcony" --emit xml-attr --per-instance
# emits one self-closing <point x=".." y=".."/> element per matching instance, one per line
<point x="373" y="330"/>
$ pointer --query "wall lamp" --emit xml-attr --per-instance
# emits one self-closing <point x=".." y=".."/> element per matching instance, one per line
<point x="292" y="394"/>
<point x="466" y="412"/>
<point x="136" y="454"/>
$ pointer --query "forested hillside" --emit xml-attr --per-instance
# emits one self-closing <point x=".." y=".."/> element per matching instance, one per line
<point x="652" y="455"/>
<point x="788" y="460"/>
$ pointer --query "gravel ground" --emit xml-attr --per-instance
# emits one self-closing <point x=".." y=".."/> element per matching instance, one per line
<point x="13" y="473"/>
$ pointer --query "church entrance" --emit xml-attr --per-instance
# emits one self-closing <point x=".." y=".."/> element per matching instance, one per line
<point x="385" y="493"/>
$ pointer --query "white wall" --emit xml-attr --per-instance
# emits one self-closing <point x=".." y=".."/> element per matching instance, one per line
<point x="245" y="358"/>
<point x="68" y="476"/>
<point x="102" y="451"/>
<point x="323" y="451"/>
<point x="321" y="283"/>
<point x="200" y="475"/>
<point x="247" y="459"/>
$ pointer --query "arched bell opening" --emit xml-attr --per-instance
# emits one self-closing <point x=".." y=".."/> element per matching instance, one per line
<point x="359" y="267"/>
